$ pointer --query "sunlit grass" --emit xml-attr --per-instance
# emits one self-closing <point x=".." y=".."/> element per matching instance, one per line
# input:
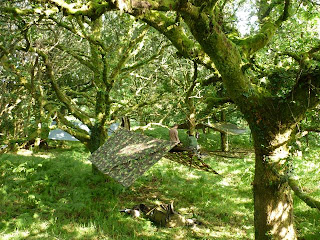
<point x="307" y="173"/>
<point x="55" y="196"/>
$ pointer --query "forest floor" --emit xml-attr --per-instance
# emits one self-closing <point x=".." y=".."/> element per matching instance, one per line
<point x="54" y="195"/>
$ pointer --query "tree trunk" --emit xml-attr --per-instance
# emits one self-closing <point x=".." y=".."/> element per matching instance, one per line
<point x="224" y="136"/>
<point x="273" y="204"/>
<point x="97" y="138"/>
<point x="192" y="123"/>
<point x="125" y="122"/>
<point x="224" y="142"/>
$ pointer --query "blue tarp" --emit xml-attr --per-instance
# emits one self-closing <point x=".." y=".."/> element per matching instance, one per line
<point x="113" y="127"/>
<point x="59" y="134"/>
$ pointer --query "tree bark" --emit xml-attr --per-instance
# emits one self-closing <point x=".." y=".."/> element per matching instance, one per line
<point x="125" y="122"/>
<point x="273" y="204"/>
<point x="97" y="138"/>
<point x="192" y="121"/>
<point x="224" y="136"/>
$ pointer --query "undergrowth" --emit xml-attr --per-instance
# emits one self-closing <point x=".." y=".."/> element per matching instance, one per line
<point x="54" y="195"/>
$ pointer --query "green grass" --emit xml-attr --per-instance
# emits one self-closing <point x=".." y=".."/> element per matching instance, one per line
<point x="54" y="195"/>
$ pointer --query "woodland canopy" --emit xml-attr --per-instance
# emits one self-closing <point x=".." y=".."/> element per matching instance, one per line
<point x="163" y="62"/>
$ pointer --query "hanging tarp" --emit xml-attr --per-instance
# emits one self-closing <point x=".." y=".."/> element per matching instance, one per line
<point x="222" y="127"/>
<point x="228" y="128"/>
<point x="113" y="127"/>
<point x="59" y="134"/>
<point x="127" y="155"/>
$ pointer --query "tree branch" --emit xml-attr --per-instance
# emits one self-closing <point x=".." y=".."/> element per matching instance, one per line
<point x="312" y="129"/>
<point x="72" y="129"/>
<point x="126" y="55"/>
<point x="144" y="61"/>
<point x="311" y="202"/>
<point x="176" y="34"/>
<point x="93" y="9"/>
<point x="29" y="11"/>
<point x="304" y="96"/>
<point x="214" y="102"/>
<point x="212" y="80"/>
<point x="193" y="84"/>
<point x="314" y="50"/>
<point x="84" y="62"/>
<point x="223" y="52"/>
<point x="254" y="43"/>
<point x="81" y="34"/>
<point x="61" y="96"/>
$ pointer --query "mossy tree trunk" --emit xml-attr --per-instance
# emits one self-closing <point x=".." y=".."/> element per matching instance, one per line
<point x="273" y="205"/>
<point x="97" y="139"/>
<point x="190" y="103"/>
<point x="103" y="79"/>
<point x="272" y="199"/>
<point x="272" y="122"/>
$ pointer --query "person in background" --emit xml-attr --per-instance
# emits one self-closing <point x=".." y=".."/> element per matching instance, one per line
<point x="174" y="137"/>
<point x="173" y="134"/>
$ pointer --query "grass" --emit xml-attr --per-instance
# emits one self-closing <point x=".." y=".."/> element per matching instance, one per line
<point x="54" y="195"/>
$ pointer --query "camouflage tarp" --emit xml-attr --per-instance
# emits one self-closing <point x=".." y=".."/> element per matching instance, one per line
<point x="127" y="155"/>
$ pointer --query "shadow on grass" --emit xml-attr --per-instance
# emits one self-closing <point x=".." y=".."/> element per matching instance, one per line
<point x="58" y="197"/>
<point x="222" y="204"/>
<point x="54" y="197"/>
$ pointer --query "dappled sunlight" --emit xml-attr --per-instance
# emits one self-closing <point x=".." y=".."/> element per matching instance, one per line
<point x="281" y="138"/>
<point x="311" y="166"/>
<point x="279" y="213"/>
<point x="137" y="148"/>
<point x="204" y="196"/>
<point x="24" y="152"/>
<point x="62" y="200"/>
<point x="280" y="154"/>
<point x="42" y="155"/>
<point x="288" y="233"/>
<point x="278" y="217"/>
<point x="17" y="234"/>
<point x="225" y="182"/>
<point x="222" y="232"/>
<point x="191" y="176"/>
<point x="40" y="226"/>
<point x="80" y="231"/>
<point x="25" y="228"/>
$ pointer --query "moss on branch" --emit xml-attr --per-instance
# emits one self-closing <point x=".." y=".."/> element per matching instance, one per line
<point x="27" y="11"/>
<point x="311" y="202"/>
<point x="61" y="96"/>
<point x="72" y="129"/>
<point x="252" y="44"/>
<point x="268" y="28"/>
<point x="93" y="9"/>
<point x="187" y="47"/>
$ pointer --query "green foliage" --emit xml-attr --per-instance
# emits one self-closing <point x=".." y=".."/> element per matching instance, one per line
<point x="94" y="64"/>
